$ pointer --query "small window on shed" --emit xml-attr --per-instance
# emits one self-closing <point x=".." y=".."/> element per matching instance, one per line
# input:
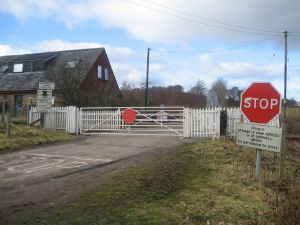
<point x="18" y="67"/>
<point x="106" y="73"/>
<point x="99" y="72"/>
<point x="3" y="68"/>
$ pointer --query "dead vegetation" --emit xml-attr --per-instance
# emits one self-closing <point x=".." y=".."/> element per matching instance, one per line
<point x="283" y="195"/>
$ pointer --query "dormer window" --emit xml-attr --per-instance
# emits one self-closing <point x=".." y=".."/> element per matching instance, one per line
<point x="3" y="68"/>
<point x="18" y="67"/>
<point x="72" y="64"/>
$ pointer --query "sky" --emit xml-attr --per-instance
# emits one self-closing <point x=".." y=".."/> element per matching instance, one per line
<point x="238" y="41"/>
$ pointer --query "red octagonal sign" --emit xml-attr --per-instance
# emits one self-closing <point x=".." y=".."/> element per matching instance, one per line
<point x="260" y="102"/>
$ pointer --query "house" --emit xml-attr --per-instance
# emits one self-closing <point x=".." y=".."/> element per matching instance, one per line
<point x="20" y="76"/>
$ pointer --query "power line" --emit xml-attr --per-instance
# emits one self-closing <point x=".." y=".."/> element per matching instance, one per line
<point x="218" y="50"/>
<point x="197" y="21"/>
<point x="211" y="20"/>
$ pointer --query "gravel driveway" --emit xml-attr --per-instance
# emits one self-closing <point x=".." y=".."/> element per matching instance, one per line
<point x="43" y="174"/>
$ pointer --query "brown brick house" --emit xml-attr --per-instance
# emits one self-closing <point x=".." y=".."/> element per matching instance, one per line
<point x="21" y="74"/>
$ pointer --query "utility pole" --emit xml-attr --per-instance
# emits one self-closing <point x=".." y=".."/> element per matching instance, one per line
<point x="285" y="74"/>
<point x="147" y="78"/>
<point x="283" y="122"/>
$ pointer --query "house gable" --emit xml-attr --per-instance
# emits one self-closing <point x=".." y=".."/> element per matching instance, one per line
<point x="101" y="77"/>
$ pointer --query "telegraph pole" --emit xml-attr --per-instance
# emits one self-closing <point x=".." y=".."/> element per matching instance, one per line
<point x="285" y="74"/>
<point x="147" y="78"/>
<point x="284" y="123"/>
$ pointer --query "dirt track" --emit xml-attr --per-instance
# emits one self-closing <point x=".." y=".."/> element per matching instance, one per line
<point x="43" y="176"/>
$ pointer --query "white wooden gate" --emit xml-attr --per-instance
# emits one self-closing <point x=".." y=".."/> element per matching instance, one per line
<point x="149" y="121"/>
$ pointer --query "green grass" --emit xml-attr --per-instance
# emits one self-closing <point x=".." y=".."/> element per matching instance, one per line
<point x="191" y="185"/>
<point x="293" y="112"/>
<point x="24" y="136"/>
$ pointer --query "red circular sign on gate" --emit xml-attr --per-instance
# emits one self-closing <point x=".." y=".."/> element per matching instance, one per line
<point x="129" y="116"/>
<point x="260" y="102"/>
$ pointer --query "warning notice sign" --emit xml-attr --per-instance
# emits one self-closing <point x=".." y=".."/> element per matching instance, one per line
<point x="259" y="136"/>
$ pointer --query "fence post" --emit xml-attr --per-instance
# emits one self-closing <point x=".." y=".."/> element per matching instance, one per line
<point x="186" y="122"/>
<point x="42" y="121"/>
<point x="218" y="122"/>
<point x="8" y="123"/>
<point x="80" y="121"/>
<point x="68" y="118"/>
<point x="3" y="112"/>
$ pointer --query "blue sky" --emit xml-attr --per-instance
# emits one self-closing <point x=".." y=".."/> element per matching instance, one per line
<point x="240" y="41"/>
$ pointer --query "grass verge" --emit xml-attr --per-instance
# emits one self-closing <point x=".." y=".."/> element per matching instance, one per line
<point x="24" y="136"/>
<point x="193" y="184"/>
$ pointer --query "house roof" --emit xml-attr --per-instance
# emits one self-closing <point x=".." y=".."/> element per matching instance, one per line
<point x="28" y="81"/>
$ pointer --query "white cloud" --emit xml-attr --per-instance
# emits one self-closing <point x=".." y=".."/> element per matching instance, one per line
<point x="8" y="50"/>
<point x="59" y="45"/>
<point x="152" y="25"/>
<point x="236" y="69"/>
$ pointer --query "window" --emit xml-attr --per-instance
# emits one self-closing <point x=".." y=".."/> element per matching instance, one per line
<point x="72" y="64"/>
<point x="18" y="68"/>
<point x="3" y="68"/>
<point x="99" y="72"/>
<point x="106" y="73"/>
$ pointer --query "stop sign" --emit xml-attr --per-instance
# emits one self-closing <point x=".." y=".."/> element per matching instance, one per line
<point x="260" y="102"/>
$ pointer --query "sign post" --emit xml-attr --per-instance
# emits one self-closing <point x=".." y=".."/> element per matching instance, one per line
<point x="44" y="99"/>
<point x="260" y="103"/>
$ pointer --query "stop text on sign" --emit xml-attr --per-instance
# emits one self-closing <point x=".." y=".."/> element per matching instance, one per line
<point x="262" y="103"/>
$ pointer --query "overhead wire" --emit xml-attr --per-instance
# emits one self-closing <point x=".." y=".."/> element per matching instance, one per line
<point x="208" y="19"/>
<point x="217" y="50"/>
<point x="199" y="22"/>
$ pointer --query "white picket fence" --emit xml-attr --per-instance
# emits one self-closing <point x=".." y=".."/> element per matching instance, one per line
<point x="202" y="122"/>
<point x="60" y="118"/>
<point x="180" y="121"/>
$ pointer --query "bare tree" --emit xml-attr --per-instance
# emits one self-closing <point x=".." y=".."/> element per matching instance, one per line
<point x="168" y="96"/>
<point x="233" y="95"/>
<point x="219" y="87"/>
<point x="199" y="88"/>
<point x="131" y="96"/>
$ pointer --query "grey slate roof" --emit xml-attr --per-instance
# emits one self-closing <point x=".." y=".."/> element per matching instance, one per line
<point x="28" y="81"/>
